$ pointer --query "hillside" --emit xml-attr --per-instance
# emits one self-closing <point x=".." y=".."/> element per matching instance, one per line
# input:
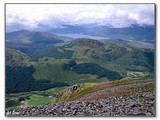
<point x="27" y="37"/>
<point x="81" y="61"/>
<point x="104" y="90"/>
<point x="16" y="58"/>
<point x="120" y="98"/>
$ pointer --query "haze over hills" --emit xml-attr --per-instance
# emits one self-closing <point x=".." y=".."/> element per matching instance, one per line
<point x="134" y="32"/>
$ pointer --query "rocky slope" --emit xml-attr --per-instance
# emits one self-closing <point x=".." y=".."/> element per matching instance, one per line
<point x="120" y="98"/>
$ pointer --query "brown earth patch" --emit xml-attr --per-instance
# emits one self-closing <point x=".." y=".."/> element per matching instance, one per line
<point x="101" y="86"/>
<point x="106" y="95"/>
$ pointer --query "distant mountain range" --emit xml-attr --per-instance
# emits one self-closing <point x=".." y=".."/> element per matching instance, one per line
<point x="135" y="32"/>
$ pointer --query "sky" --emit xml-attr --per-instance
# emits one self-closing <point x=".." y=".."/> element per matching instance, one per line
<point x="47" y="16"/>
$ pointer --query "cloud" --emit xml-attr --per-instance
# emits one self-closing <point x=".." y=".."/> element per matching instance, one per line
<point x="47" y="16"/>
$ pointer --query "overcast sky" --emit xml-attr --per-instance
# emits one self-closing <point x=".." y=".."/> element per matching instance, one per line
<point x="47" y="16"/>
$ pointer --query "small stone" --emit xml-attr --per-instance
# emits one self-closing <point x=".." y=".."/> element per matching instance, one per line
<point x="149" y="114"/>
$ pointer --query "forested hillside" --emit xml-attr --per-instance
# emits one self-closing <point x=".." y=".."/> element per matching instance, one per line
<point x="47" y="67"/>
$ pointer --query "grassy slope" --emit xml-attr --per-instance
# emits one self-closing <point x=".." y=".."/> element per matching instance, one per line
<point x="74" y="92"/>
<point x="107" y="89"/>
<point x="16" y="58"/>
<point x="36" y="100"/>
<point x="52" y="69"/>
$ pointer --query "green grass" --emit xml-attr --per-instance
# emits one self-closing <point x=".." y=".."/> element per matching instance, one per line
<point x="52" y="69"/>
<point x="36" y="100"/>
<point x="33" y="98"/>
<point x="18" y="95"/>
<point x="119" y="68"/>
<point x="128" y="81"/>
<point x="83" y="91"/>
<point x="50" y="92"/>
<point x="148" y="88"/>
<point x="16" y="58"/>
<point x="65" y="94"/>
<point x="121" y="82"/>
